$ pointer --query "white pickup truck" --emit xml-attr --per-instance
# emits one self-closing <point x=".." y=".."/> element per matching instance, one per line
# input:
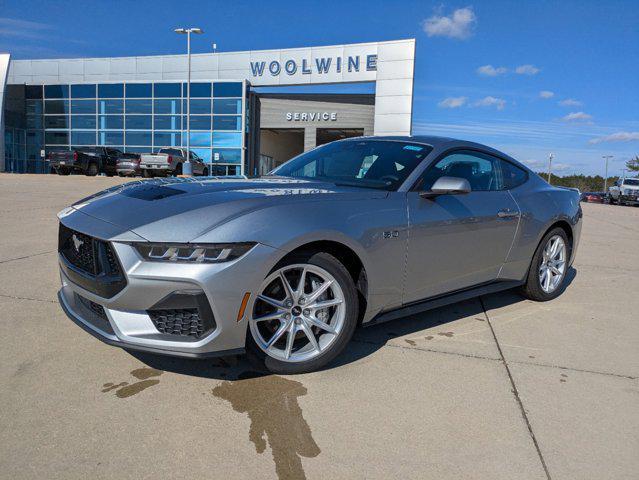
<point x="168" y="161"/>
<point x="625" y="191"/>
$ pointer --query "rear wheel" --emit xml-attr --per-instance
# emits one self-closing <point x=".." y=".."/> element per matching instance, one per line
<point x="304" y="314"/>
<point x="205" y="172"/>
<point x="63" y="171"/>
<point x="178" y="170"/>
<point x="146" y="173"/>
<point x="547" y="274"/>
<point x="92" y="170"/>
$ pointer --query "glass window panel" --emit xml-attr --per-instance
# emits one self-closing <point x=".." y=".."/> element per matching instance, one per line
<point x="168" y="122"/>
<point x="203" y="153"/>
<point x="35" y="137"/>
<point x="111" y="122"/>
<point x="199" y="89"/>
<point x="83" y="138"/>
<point x="167" y="139"/>
<point x="227" y="89"/>
<point x="56" y="106"/>
<point x="138" y="122"/>
<point x="56" y="138"/>
<point x="201" y="122"/>
<point x="34" y="106"/>
<point x="34" y="121"/>
<point x="199" y="106"/>
<point x="83" y="91"/>
<point x="33" y="91"/>
<point x="110" y="106"/>
<point x="227" y="155"/>
<point x="111" y="138"/>
<point x="138" y="106"/>
<point x="83" y="106"/>
<point x="167" y="90"/>
<point x="227" y="106"/>
<point x="227" y="139"/>
<point x="168" y="106"/>
<point x="138" y="138"/>
<point x="200" y="139"/>
<point x="56" y="91"/>
<point x="111" y="90"/>
<point x="83" y="121"/>
<point x="227" y="123"/>
<point x="137" y="149"/>
<point x="138" y="90"/>
<point x="56" y="121"/>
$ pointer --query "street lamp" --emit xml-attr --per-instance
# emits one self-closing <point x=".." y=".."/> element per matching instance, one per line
<point x="606" y="157"/>
<point x="187" y="168"/>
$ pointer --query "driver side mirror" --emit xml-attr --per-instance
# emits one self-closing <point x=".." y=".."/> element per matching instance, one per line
<point x="447" y="186"/>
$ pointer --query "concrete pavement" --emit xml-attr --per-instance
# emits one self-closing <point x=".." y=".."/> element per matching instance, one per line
<point x="498" y="387"/>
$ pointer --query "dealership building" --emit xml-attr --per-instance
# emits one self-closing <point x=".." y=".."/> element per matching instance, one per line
<point x="138" y="104"/>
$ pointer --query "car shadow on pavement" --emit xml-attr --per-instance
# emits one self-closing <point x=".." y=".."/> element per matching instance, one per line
<point x="365" y="342"/>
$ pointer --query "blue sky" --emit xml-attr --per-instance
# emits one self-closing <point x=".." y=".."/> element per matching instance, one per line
<point x="481" y="67"/>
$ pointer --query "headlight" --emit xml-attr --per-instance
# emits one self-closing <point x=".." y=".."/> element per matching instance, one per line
<point x="191" y="253"/>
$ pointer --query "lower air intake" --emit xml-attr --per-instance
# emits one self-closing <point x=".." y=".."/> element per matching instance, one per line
<point x="183" y="322"/>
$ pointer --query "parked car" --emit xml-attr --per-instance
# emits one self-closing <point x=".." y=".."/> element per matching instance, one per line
<point x="361" y="230"/>
<point x="128" y="165"/>
<point x="87" y="160"/>
<point x="625" y="191"/>
<point x="169" y="161"/>
<point x="593" y="197"/>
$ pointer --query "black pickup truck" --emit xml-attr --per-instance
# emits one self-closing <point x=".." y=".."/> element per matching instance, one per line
<point x="87" y="160"/>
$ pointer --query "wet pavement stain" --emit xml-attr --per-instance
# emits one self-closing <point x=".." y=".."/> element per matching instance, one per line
<point x="445" y="334"/>
<point x="563" y="380"/>
<point x="124" y="389"/>
<point x="270" y="401"/>
<point x="411" y="342"/>
<point x="429" y="337"/>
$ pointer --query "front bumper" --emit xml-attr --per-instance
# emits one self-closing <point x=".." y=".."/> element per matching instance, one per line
<point x="126" y="323"/>
<point x="629" y="199"/>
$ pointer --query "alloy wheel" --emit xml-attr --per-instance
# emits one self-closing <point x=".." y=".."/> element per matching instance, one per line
<point x="299" y="312"/>
<point x="553" y="264"/>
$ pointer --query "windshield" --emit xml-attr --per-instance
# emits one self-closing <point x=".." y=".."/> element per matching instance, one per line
<point x="631" y="181"/>
<point x="365" y="163"/>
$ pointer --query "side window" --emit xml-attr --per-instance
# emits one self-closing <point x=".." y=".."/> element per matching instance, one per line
<point x="513" y="175"/>
<point x="481" y="170"/>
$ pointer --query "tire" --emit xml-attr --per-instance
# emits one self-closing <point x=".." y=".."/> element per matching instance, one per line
<point x="533" y="288"/>
<point x="296" y="323"/>
<point x="178" y="170"/>
<point x="63" y="171"/>
<point x="92" y="170"/>
<point x="146" y="173"/>
<point x="205" y="172"/>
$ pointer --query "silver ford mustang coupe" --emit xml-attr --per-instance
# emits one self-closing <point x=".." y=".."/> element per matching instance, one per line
<point x="286" y="266"/>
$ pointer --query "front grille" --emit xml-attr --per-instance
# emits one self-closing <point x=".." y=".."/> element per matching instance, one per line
<point x="90" y="262"/>
<point x="184" y="322"/>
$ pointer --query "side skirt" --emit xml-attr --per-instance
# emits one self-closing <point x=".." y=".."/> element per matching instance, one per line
<point x="442" y="300"/>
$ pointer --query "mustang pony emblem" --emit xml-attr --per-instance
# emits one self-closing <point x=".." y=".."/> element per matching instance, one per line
<point x="77" y="243"/>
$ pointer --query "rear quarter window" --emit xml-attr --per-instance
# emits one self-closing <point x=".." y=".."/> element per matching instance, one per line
<point x="513" y="176"/>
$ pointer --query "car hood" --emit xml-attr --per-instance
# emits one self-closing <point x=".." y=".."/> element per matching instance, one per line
<point x="181" y="209"/>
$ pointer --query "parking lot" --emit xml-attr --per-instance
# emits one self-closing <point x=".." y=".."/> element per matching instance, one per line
<point x="498" y="387"/>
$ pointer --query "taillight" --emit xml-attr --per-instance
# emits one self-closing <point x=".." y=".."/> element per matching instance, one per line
<point x="75" y="155"/>
<point x="170" y="159"/>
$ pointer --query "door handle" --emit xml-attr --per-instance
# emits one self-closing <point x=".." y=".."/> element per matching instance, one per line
<point x="507" y="213"/>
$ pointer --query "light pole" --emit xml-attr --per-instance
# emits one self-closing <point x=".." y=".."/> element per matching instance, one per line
<point x="606" y="157"/>
<point x="550" y="157"/>
<point x="187" y="168"/>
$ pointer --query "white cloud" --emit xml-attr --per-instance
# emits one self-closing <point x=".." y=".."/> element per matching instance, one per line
<point x="546" y="94"/>
<point x="617" y="137"/>
<point x="570" y="102"/>
<point x="12" y="27"/>
<point x="500" y="103"/>
<point x="527" y="70"/>
<point x="459" y="25"/>
<point x="542" y="166"/>
<point x="577" y="117"/>
<point x="490" y="71"/>
<point x="453" y="102"/>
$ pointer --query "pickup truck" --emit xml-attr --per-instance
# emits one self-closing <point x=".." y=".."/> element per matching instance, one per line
<point x="168" y="161"/>
<point x="87" y="160"/>
<point x="625" y="191"/>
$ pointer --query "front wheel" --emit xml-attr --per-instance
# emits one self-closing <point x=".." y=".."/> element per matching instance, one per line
<point x="547" y="274"/>
<point x="303" y="315"/>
